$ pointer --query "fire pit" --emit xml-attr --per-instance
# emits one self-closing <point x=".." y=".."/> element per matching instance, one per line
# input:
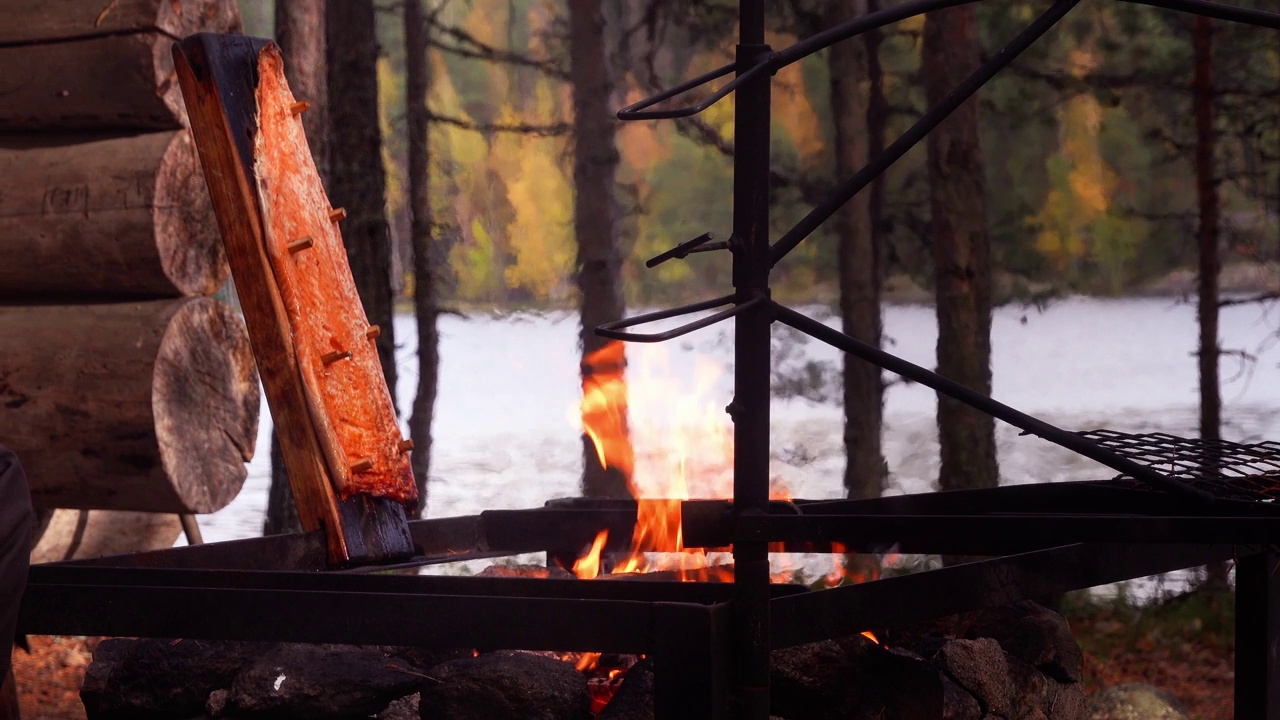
<point x="1176" y="503"/>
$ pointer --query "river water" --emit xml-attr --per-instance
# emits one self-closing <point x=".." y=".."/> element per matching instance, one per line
<point x="504" y="435"/>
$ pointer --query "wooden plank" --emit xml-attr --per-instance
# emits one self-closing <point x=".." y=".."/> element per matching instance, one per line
<point x="29" y="21"/>
<point x="129" y="406"/>
<point x="118" y="217"/>
<point x="218" y="75"/>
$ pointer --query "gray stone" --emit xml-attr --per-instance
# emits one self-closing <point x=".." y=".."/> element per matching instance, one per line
<point x="320" y="681"/>
<point x="159" y="678"/>
<point x="853" y="680"/>
<point x="1034" y="634"/>
<point x="1066" y="701"/>
<point x="957" y="703"/>
<point x="634" y="699"/>
<point x="406" y="708"/>
<point x="979" y="666"/>
<point x="503" y="685"/>
<point x="1134" y="702"/>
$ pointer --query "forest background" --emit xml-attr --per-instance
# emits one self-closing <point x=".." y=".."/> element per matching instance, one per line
<point x="1088" y="142"/>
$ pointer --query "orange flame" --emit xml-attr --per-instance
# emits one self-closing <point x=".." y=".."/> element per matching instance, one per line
<point x="604" y="407"/>
<point x="871" y="636"/>
<point x="692" y="450"/>
<point x="588" y="566"/>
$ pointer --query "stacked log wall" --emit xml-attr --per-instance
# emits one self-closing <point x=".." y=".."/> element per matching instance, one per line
<point x="123" y="386"/>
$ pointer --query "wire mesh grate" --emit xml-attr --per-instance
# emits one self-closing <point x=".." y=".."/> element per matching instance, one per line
<point x="1224" y="469"/>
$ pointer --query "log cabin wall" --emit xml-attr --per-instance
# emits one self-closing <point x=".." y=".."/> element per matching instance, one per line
<point x="124" y="387"/>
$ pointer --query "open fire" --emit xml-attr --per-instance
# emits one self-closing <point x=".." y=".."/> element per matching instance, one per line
<point x="672" y="441"/>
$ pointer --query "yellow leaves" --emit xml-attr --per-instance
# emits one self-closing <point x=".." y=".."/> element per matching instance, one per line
<point x="793" y="110"/>
<point x="1078" y="222"/>
<point x="540" y="231"/>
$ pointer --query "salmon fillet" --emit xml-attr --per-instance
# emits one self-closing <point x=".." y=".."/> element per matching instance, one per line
<point x="335" y="344"/>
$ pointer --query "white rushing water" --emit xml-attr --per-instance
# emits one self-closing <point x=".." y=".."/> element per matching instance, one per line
<point x="504" y="435"/>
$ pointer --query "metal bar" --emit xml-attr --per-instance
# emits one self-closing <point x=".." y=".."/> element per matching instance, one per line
<point x="610" y="330"/>
<point x="1218" y="11"/>
<point x="994" y="408"/>
<point x="972" y="586"/>
<point x="635" y="110"/>
<point x="871" y="21"/>
<point x="995" y="530"/>
<point x="620" y="587"/>
<point x="1257" y="636"/>
<point x="436" y="621"/>
<point x="1070" y="497"/>
<point x="917" y="132"/>
<point x="749" y="409"/>
<point x="691" y="662"/>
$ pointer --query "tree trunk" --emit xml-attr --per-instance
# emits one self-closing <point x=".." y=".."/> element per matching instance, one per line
<point x="133" y="406"/>
<point x="858" y="261"/>
<point x="595" y="215"/>
<point x="300" y="34"/>
<point x="87" y="64"/>
<point x="126" y="217"/>
<point x="961" y="253"/>
<point x="1210" y="264"/>
<point x="358" y="181"/>
<point x="417" y="85"/>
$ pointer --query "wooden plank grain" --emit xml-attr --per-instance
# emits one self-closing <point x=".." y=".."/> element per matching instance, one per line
<point x="218" y="76"/>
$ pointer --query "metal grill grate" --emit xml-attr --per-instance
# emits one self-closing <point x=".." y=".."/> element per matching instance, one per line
<point x="1225" y="470"/>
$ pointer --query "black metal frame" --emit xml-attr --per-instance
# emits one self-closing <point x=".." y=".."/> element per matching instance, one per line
<point x="711" y="643"/>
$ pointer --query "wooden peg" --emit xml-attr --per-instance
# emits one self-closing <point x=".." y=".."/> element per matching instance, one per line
<point x="299" y="107"/>
<point x="362" y="465"/>
<point x="373" y="332"/>
<point x="330" y="358"/>
<point x="300" y="244"/>
<point x="338" y="214"/>
<point x="405" y="445"/>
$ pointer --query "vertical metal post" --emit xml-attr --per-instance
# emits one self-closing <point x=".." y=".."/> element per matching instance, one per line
<point x="690" y="662"/>
<point x="1257" y="693"/>
<point x="750" y="407"/>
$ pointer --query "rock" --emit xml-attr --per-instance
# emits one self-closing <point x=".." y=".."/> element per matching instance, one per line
<point x="154" y="677"/>
<point x="634" y="699"/>
<point x="1134" y="702"/>
<point x="320" y="681"/>
<point x="502" y="685"/>
<point x="406" y="708"/>
<point x="1066" y="701"/>
<point x="1034" y="634"/>
<point x="853" y="679"/>
<point x="979" y="666"/>
<point x="957" y="703"/>
<point x="216" y="705"/>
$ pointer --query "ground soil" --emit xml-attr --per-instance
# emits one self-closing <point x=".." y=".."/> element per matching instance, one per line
<point x="1198" y="674"/>
<point x="49" y="677"/>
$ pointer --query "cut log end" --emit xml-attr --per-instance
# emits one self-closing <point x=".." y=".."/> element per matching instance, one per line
<point x="205" y="400"/>
<point x="191" y="249"/>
